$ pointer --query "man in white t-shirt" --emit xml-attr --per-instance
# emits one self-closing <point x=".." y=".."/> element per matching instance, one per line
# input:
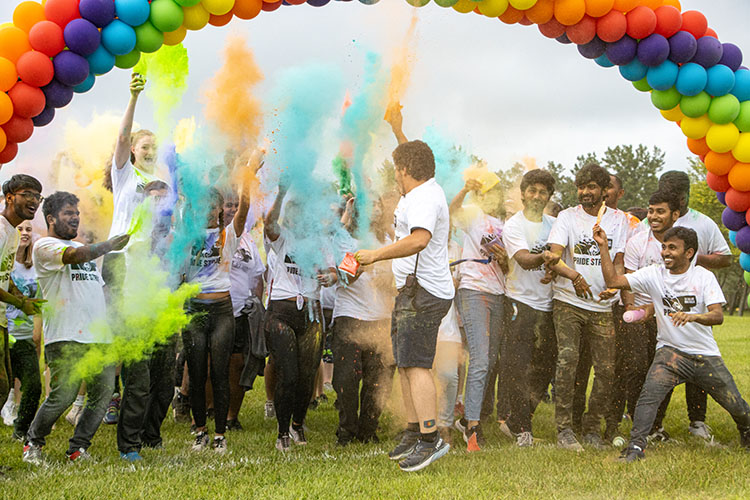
<point x="583" y="305"/>
<point x="73" y="288"/>
<point x="528" y="305"/>
<point x="423" y="278"/>
<point x="688" y="301"/>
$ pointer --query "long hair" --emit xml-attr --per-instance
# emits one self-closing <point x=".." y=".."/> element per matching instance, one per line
<point x="134" y="138"/>
<point x="25" y="254"/>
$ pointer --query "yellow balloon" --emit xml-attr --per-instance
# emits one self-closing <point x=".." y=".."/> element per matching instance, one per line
<point x="741" y="150"/>
<point x="196" y="17"/>
<point x="523" y="4"/>
<point x="465" y="6"/>
<point x="723" y="138"/>
<point x="673" y="115"/>
<point x="218" y="7"/>
<point x="696" y="128"/>
<point x="493" y="8"/>
<point x="175" y="37"/>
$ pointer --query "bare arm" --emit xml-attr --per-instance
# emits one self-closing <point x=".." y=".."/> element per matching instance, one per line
<point x="122" y="148"/>
<point x="87" y="253"/>
<point x="396" y="120"/>
<point x="253" y="165"/>
<point x="714" y="261"/>
<point x="271" y="221"/>
<point x="714" y="316"/>
<point x="458" y="200"/>
<point x="412" y="244"/>
<point x="528" y="260"/>
<point x="611" y="277"/>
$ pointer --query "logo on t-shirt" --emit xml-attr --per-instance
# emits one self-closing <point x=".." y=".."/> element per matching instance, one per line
<point x="241" y="258"/>
<point x="674" y="303"/>
<point x="538" y="248"/>
<point x="291" y="266"/>
<point x="587" y="253"/>
<point x="85" y="271"/>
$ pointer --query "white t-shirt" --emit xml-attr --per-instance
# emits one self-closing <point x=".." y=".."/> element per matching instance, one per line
<point x="289" y="281"/>
<point x="9" y="239"/>
<point x="247" y="271"/>
<point x="573" y="230"/>
<point x="20" y="325"/>
<point x="74" y="295"/>
<point x="127" y="192"/>
<point x="710" y="239"/>
<point x="210" y="262"/>
<point x="486" y="278"/>
<point x="448" y="331"/>
<point x="425" y="207"/>
<point x="694" y="290"/>
<point x="634" y="225"/>
<point x="524" y="286"/>
<point x="643" y="250"/>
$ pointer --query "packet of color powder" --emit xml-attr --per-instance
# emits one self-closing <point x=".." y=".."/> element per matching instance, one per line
<point x="349" y="265"/>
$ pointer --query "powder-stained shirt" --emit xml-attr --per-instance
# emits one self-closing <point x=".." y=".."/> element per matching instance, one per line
<point x="127" y="192"/>
<point x="20" y="325"/>
<point x="485" y="278"/>
<point x="9" y="239"/>
<point x="76" y="310"/>
<point x="247" y="271"/>
<point x="211" y="260"/>
<point x="643" y="250"/>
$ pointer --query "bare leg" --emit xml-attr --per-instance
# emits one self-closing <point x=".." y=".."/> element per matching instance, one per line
<point x="411" y="413"/>
<point x="423" y="396"/>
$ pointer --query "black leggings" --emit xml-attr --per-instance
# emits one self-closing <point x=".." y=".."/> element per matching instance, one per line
<point x="296" y="344"/>
<point x="211" y="331"/>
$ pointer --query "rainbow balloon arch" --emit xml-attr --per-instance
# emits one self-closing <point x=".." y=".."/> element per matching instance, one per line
<point x="57" y="48"/>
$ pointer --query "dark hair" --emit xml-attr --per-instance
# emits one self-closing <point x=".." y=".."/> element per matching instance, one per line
<point x="156" y="185"/>
<point x="617" y="179"/>
<point x="676" y="181"/>
<point x="19" y="182"/>
<point x="665" y="196"/>
<point x="216" y="197"/>
<point x="638" y="212"/>
<point x="688" y="236"/>
<point x="593" y="172"/>
<point x="416" y="158"/>
<point x="538" y="176"/>
<point x="54" y="203"/>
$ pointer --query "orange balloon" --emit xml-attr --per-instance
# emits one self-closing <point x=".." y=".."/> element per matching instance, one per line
<point x="570" y="12"/>
<point x="739" y="177"/>
<point x="698" y="146"/>
<point x="175" y="37"/>
<point x="719" y="163"/>
<point x="652" y="4"/>
<point x="222" y="20"/>
<point x="8" y="75"/>
<point x="6" y="108"/>
<point x="247" y="9"/>
<point x="27" y="14"/>
<point x="3" y="139"/>
<point x="542" y="12"/>
<point x="14" y="42"/>
<point x="599" y="8"/>
<point x="674" y="3"/>
<point x="626" y="5"/>
<point x="512" y="15"/>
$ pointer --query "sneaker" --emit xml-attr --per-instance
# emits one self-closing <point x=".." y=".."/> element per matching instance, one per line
<point x="424" y="454"/>
<point x="234" y="425"/>
<point x="74" y="415"/>
<point x="659" y="436"/>
<point x="701" y="430"/>
<point x="193" y="429"/>
<point x="269" y="410"/>
<point x="9" y="411"/>
<point x="18" y="436"/>
<point x="298" y="434"/>
<point x="474" y="438"/>
<point x="460" y="425"/>
<point x="113" y="410"/>
<point x="506" y="430"/>
<point x="32" y="454"/>
<point x="181" y="408"/>
<point x="406" y="446"/>
<point x="284" y="443"/>
<point x="201" y="442"/>
<point x="594" y="440"/>
<point x="131" y="456"/>
<point x="566" y="439"/>
<point x="219" y="445"/>
<point x="632" y="454"/>
<point x="79" y="455"/>
<point x="524" y="440"/>
<point x="618" y="441"/>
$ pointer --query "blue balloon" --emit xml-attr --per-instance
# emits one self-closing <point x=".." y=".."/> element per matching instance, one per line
<point x="663" y="76"/>
<point x="118" y="38"/>
<point x="741" y="88"/>
<point x="604" y="61"/>
<point x="745" y="261"/>
<point x="86" y="85"/>
<point x="692" y="79"/>
<point x="634" y="71"/>
<point x="132" y="12"/>
<point x="733" y="237"/>
<point x="100" y="62"/>
<point x="720" y="80"/>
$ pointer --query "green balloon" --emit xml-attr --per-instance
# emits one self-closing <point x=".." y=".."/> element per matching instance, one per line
<point x="418" y="3"/>
<point x="724" y="109"/>
<point x="188" y="3"/>
<point x="743" y="119"/>
<point x="666" y="99"/>
<point x="446" y="3"/>
<point x="695" y="106"/>
<point x="148" y="38"/>
<point x="166" y="15"/>
<point x="747" y="277"/>
<point x="642" y="85"/>
<point x="128" y="60"/>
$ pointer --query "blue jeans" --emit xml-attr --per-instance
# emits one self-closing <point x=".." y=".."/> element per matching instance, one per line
<point x="482" y="316"/>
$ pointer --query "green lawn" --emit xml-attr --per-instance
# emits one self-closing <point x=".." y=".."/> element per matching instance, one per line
<point x="253" y="468"/>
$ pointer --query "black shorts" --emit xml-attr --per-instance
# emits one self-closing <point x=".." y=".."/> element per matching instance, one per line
<point x="414" y="328"/>
<point x="241" y="334"/>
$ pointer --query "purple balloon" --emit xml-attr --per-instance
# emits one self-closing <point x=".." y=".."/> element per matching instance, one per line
<point x="82" y="37"/>
<point x="742" y="239"/>
<point x="58" y="95"/>
<point x="709" y="53"/>
<point x="45" y="117"/>
<point x="563" y="39"/>
<point x="99" y="12"/>
<point x="70" y="68"/>
<point x="623" y="50"/>
<point x="653" y="50"/>
<point x="682" y="47"/>
<point x="318" y="3"/>
<point x="734" y="221"/>
<point x="731" y="56"/>
<point x="595" y="48"/>
<point x="722" y="197"/>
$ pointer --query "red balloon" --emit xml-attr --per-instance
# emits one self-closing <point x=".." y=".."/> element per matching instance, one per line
<point x="737" y="200"/>
<point x="47" y="37"/>
<point x="296" y="2"/>
<point x="270" y="7"/>
<point x="525" y="21"/>
<point x="710" y="32"/>
<point x="582" y="32"/>
<point x="668" y="20"/>
<point x="223" y="20"/>
<point x="8" y="154"/>
<point x="35" y="68"/>
<point x="28" y="101"/>
<point x="720" y="184"/>
<point x="612" y="27"/>
<point x="641" y="22"/>
<point x="552" y="29"/>
<point x="61" y="12"/>
<point x="18" y="129"/>
<point x="694" y="23"/>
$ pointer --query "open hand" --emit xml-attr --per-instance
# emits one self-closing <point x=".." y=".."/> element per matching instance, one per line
<point x="137" y="84"/>
<point x="118" y="242"/>
<point x="30" y="307"/>
<point x="681" y="319"/>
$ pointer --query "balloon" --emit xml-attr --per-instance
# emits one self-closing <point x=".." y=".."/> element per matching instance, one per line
<point x="99" y="12"/>
<point x="673" y="115"/>
<point x="695" y="106"/>
<point x="6" y="108"/>
<point x="28" y="101"/>
<point x="188" y="3"/>
<point x="541" y="12"/>
<point x="14" y="42"/>
<point x="734" y="221"/>
<point x="552" y="29"/>
<point x="129" y="60"/>
<point x="682" y="47"/>
<point x="462" y="6"/>
<point x="666" y="98"/>
<point x="745" y="261"/>
<point x="741" y="88"/>
<point x="633" y="71"/>
<point x="709" y="52"/>
<point x="742" y="240"/>
<point x="699" y="147"/>
<point x="622" y="51"/>
<point x="732" y="234"/>
<point x="722" y="198"/>
<point x="720" y="80"/>
<point x="100" y="62"/>
<point x="18" y="129"/>
<point x="9" y="153"/>
<point x="724" y="109"/>
<point x="166" y="15"/>
<point x="737" y="200"/>
<point x="592" y="50"/>
<point x="58" y="95"/>
<point x="664" y="76"/>
<point x="598" y="8"/>
<point x="642" y="86"/>
<point x="70" y="68"/>
<point x="132" y="12"/>
<point x="61" y="12"/>
<point x="696" y="128"/>
<point x="569" y="12"/>
<point x="8" y="75"/>
<point x="719" y="163"/>
<point x="739" y="177"/>
<point x="175" y="37"/>
<point x="220" y="20"/>
<point x="118" y="38"/>
<point x="321" y="3"/>
<point x="694" y="23"/>
<point x="47" y="37"/>
<point x="747" y="276"/>
<point x="582" y="32"/>
<point x="511" y="15"/>
<point x="717" y="183"/>
<point x="641" y="22"/>
<point x="221" y="7"/>
<point x="731" y="56"/>
<point x="742" y="150"/>
<point x="604" y="61"/>
<point x="196" y="17"/>
<point x="82" y="37"/>
<point x="692" y="79"/>
<point x="668" y="21"/>
<point x="35" y="68"/>
<point x="612" y="26"/>
<point x="247" y="9"/>
<point x="45" y="117"/>
<point x="653" y="51"/>
<point x="27" y="14"/>
<point x="87" y="85"/>
<point x="723" y="138"/>
<point x="743" y="116"/>
<point x="148" y="38"/>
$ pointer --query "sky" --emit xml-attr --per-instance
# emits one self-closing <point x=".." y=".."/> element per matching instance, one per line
<point x="503" y="92"/>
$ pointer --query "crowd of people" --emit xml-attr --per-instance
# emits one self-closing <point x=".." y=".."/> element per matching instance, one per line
<point x="480" y="311"/>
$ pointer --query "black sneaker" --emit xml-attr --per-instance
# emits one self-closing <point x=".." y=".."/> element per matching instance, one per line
<point x="298" y="434"/>
<point x="234" y="425"/>
<point x="407" y="445"/>
<point x="370" y="438"/>
<point x="424" y="454"/>
<point x="659" y="436"/>
<point x="632" y="454"/>
<point x="18" y="436"/>
<point x="745" y="439"/>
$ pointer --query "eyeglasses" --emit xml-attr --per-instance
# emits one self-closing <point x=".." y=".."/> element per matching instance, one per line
<point x="31" y="196"/>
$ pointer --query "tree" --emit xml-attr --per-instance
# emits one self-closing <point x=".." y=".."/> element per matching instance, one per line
<point x="638" y="169"/>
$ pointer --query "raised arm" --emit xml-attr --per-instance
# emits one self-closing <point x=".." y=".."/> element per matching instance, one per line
<point x="122" y="148"/>
<point x="271" y="221"/>
<point x="251" y="169"/>
<point x="611" y="277"/>
<point x="87" y="253"/>
<point x="458" y="200"/>
<point x="396" y="120"/>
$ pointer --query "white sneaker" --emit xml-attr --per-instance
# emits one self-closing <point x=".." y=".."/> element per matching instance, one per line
<point x="524" y="440"/>
<point x="298" y="435"/>
<point x="9" y="411"/>
<point x="220" y="445"/>
<point x="269" y="410"/>
<point x="74" y="415"/>
<point x="201" y="442"/>
<point x="701" y="430"/>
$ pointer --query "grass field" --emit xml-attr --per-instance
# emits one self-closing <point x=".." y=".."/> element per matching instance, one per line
<point x="254" y="469"/>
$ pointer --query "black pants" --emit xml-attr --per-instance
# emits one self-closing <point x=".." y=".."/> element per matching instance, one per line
<point x="295" y="340"/>
<point x="543" y="358"/>
<point x="211" y="331"/>
<point x="672" y="368"/>
<point x="361" y="353"/>
<point x="161" y="392"/>
<point x="25" y="364"/>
